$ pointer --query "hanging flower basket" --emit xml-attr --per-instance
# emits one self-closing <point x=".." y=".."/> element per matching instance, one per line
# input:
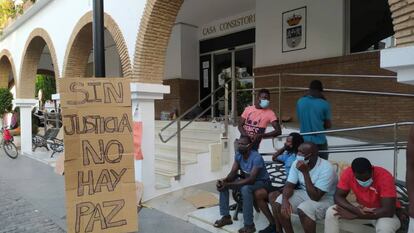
<point x="27" y="5"/>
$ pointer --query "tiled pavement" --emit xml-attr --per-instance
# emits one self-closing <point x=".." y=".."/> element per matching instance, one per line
<point x="32" y="199"/>
<point x="19" y="215"/>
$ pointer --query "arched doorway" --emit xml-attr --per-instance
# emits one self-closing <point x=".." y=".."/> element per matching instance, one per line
<point x="153" y="36"/>
<point x="158" y="21"/>
<point x="39" y="58"/>
<point x="177" y="44"/>
<point x="39" y="62"/>
<point x="7" y="80"/>
<point x="79" y="53"/>
<point x="7" y="72"/>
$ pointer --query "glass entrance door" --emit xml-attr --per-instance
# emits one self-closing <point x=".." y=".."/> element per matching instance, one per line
<point x="236" y="65"/>
<point x="243" y="75"/>
<point x="223" y="72"/>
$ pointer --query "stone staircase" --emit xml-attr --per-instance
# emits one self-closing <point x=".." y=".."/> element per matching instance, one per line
<point x="195" y="141"/>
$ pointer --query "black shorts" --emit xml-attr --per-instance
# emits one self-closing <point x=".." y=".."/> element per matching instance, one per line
<point x="270" y="188"/>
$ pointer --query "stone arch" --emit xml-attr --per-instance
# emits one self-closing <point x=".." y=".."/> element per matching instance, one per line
<point x="80" y="44"/>
<point x="159" y="16"/>
<point x="6" y="67"/>
<point x="33" y="49"/>
<point x="154" y="33"/>
<point x="402" y="12"/>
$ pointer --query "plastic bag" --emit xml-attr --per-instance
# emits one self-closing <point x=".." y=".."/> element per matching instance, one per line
<point x="137" y="133"/>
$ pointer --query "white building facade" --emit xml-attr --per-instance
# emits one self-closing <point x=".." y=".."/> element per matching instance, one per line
<point x="177" y="51"/>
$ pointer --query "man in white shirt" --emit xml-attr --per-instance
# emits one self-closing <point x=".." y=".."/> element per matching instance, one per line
<point x="316" y="179"/>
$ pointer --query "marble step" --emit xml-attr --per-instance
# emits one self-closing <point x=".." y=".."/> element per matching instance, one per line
<point x="173" y="159"/>
<point x="185" y="149"/>
<point x="167" y="169"/>
<point x="194" y="134"/>
<point x="194" y="144"/>
<point x="195" y="125"/>
<point x="162" y="182"/>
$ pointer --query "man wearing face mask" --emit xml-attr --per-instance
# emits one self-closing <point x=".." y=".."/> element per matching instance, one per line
<point x="255" y="119"/>
<point x="252" y="166"/>
<point x="376" y="196"/>
<point x="317" y="180"/>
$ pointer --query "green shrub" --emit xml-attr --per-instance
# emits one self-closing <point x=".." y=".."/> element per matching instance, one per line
<point x="6" y="101"/>
<point x="47" y="84"/>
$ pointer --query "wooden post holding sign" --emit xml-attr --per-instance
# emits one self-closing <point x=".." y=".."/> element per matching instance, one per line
<point x="99" y="160"/>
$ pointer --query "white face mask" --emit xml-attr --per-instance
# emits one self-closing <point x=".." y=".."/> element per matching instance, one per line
<point x="302" y="158"/>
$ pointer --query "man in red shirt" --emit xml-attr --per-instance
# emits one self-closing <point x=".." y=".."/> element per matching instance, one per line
<point x="376" y="195"/>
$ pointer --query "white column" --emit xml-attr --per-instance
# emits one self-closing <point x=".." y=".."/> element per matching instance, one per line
<point x="143" y="95"/>
<point x="26" y="106"/>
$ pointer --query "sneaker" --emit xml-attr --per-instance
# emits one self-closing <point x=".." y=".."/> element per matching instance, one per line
<point x="269" y="229"/>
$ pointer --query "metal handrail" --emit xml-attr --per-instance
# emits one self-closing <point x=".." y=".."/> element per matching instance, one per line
<point x="334" y="90"/>
<point x="396" y="145"/>
<point x="347" y="150"/>
<point x="406" y="123"/>
<point x="189" y="122"/>
<point x="279" y="77"/>
<point x="178" y="121"/>
<point x="368" y="145"/>
<point x="341" y="75"/>
<point x="322" y="75"/>
<point x="280" y="88"/>
<point x="189" y="110"/>
<point x="364" y="149"/>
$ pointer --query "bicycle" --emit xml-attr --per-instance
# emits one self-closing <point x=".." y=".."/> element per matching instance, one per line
<point x="8" y="145"/>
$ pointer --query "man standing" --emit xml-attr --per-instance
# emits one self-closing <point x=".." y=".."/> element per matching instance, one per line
<point x="409" y="180"/>
<point x="314" y="114"/>
<point x="376" y="195"/>
<point x="255" y="119"/>
<point x="317" y="179"/>
<point x="252" y="166"/>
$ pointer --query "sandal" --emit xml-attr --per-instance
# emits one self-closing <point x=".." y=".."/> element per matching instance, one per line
<point x="248" y="229"/>
<point x="225" y="220"/>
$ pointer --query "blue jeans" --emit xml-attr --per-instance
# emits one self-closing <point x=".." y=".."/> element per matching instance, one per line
<point x="247" y="192"/>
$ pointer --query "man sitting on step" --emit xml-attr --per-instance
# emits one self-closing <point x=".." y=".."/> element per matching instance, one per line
<point x="317" y="180"/>
<point x="376" y="195"/>
<point x="255" y="176"/>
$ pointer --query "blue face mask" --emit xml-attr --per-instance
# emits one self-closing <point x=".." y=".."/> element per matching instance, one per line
<point x="264" y="103"/>
<point x="366" y="183"/>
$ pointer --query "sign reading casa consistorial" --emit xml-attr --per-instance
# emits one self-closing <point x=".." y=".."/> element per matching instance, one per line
<point x="294" y="30"/>
<point x="229" y="25"/>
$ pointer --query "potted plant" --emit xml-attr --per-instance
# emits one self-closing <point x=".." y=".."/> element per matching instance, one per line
<point x="27" y="4"/>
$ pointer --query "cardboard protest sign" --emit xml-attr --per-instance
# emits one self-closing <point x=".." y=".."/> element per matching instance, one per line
<point x="99" y="159"/>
